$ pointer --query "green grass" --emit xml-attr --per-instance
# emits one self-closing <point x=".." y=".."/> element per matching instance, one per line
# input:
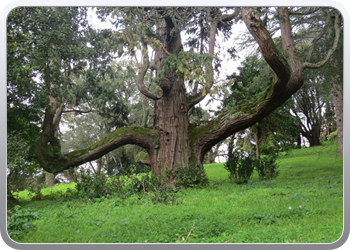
<point x="257" y="212"/>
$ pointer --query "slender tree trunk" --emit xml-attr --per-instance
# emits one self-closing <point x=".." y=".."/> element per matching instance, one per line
<point x="67" y="175"/>
<point x="99" y="166"/>
<point x="11" y="200"/>
<point x="49" y="179"/>
<point x="338" y="102"/>
<point x="257" y="141"/>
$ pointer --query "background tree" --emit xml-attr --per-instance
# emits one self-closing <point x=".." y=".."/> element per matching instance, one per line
<point x="314" y="41"/>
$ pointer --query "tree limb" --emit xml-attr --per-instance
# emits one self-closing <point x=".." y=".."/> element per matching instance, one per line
<point x="308" y="65"/>
<point x="318" y="38"/>
<point x="271" y="54"/>
<point x="141" y="76"/>
<point x="229" y="17"/>
<point x="143" y="137"/>
<point x="289" y="79"/>
<point x="295" y="13"/>
<point x="198" y="97"/>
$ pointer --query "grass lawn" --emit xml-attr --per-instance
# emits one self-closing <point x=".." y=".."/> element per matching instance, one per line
<point x="304" y="204"/>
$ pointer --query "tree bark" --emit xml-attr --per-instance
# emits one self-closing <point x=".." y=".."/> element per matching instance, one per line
<point x="338" y="103"/>
<point x="49" y="179"/>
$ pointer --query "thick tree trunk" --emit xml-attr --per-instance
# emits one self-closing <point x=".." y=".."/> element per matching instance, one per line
<point x="171" y="120"/>
<point x="170" y="111"/>
<point x="313" y="137"/>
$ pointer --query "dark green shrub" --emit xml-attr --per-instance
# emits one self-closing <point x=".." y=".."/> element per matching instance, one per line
<point x="94" y="185"/>
<point x="19" y="221"/>
<point x="189" y="176"/>
<point x="267" y="167"/>
<point x="159" y="191"/>
<point x="240" y="165"/>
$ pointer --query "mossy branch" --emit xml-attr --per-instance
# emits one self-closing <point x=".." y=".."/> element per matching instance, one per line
<point x="143" y="137"/>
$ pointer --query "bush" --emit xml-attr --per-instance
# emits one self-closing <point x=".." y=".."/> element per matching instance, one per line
<point x="93" y="186"/>
<point x="189" y="176"/>
<point x="159" y="192"/>
<point x="267" y="166"/>
<point x="240" y="165"/>
<point x="332" y="136"/>
<point x="19" y="221"/>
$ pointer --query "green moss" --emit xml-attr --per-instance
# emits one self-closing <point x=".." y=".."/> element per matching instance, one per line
<point x="141" y="156"/>
<point x="197" y="132"/>
<point x="121" y="132"/>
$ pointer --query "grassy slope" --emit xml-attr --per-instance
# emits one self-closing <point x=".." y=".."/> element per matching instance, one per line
<point x="256" y="212"/>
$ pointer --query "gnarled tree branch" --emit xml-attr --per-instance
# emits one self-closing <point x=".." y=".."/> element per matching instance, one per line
<point x="141" y="76"/>
<point x="318" y="38"/>
<point x="289" y="79"/>
<point x="143" y="137"/>
<point x="295" y="13"/>
<point x="308" y="65"/>
<point x="198" y="97"/>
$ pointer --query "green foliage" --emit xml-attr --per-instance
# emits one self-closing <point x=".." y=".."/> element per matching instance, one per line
<point x="332" y="136"/>
<point x="23" y="170"/>
<point x="187" y="64"/>
<point x="19" y="221"/>
<point x="159" y="192"/>
<point x="267" y="166"/>
<point x="252" y="83"/>
<point x="190" y="176"/>
<point x="93" y="185"/>
<point x="240" y="166"/>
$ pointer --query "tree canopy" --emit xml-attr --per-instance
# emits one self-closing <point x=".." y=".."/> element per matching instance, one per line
<point x="59" y="64"/>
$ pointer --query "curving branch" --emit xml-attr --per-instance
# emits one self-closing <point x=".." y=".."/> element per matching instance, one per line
<point x="308" y="65"/>
<point x="295" y="13"/>
<point x="143" y="137"/>
<point x="318" y="38"/>
<point x="198" y="97"/>
<point x="229" y="17"/>
<point x="289" y="79"/>
<point x="269" y="50"/>
<point x="141" y="76"/>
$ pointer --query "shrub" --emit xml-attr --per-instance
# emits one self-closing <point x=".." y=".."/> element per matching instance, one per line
<point x="19" y="221"/>
<point x="159" y="192"/>
<point x="240" y="164"/>
<point x="267" y="166"/>
<point x="93" y="185"/>
<point x="333" y="136"/>
<point x="189" y="176"/>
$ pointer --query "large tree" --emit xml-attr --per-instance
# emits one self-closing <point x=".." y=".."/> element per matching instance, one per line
<point x="183" y="74"/>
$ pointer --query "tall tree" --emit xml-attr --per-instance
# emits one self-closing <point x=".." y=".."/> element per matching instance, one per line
<point x="173" y="142"/>
<point x="309" y="102"/>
